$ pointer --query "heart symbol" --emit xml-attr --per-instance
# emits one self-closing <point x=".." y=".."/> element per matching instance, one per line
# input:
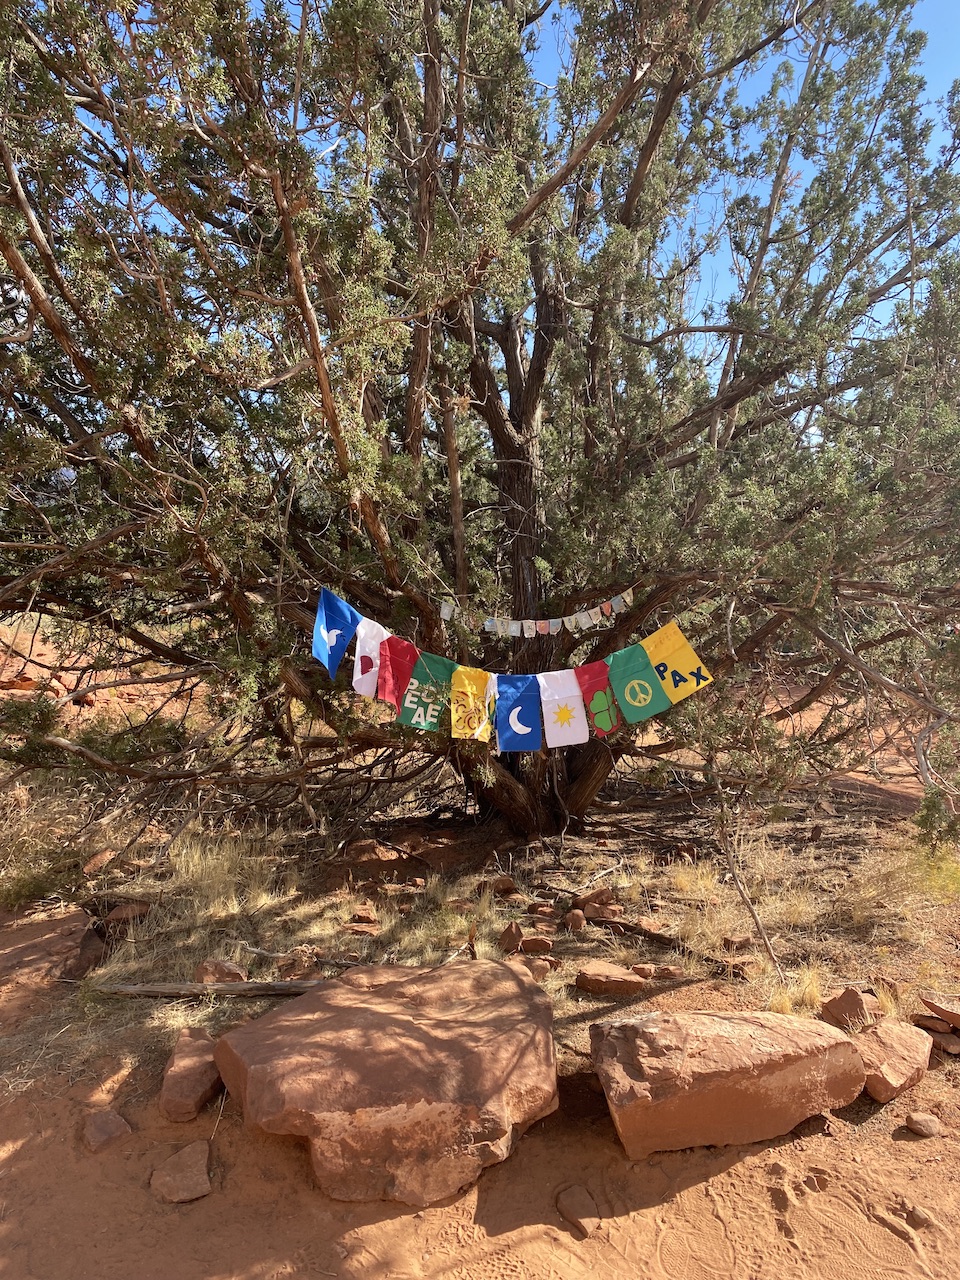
<point x="366" y="664"/>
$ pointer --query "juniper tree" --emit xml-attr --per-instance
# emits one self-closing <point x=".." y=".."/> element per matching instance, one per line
<point x="513" y="306"/>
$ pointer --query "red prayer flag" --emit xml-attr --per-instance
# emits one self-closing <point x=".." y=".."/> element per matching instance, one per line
<point x="397" y="660"/>
<point x="602" y="710"/>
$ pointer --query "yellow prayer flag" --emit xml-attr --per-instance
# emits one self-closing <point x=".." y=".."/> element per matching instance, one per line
<point x="680" y="670"/>
<point x="471" y="702"/>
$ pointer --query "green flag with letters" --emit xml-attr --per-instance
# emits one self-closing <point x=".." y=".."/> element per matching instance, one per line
<point x="428" y="692"/>
<point x="635" y="685"/>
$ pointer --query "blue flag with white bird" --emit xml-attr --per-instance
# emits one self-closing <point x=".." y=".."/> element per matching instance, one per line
<point x="518" y="713"/>
<point x="335" y="627"/>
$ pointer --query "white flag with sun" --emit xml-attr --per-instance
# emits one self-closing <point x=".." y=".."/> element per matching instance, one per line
<point x="564" y="716"/>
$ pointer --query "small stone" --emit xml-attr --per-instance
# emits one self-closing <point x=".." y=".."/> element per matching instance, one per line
<point x="644" y="970"/>
<point x="574" y="921"/>
<point x="944" y="1006"/>
<point x="509" y="941"/>
<point x="895" y="1057"/>
<point x="669" y="972"/>
<point x="602" y="978"/>
<point x="100" y="1128"/>
<point x="127" y="912"/>
<point x="737" y="942"/>
<point x="947" y="1043"/>
<point x="598" y="897"/>
<point x="365" y="914"/>
<point x="577" y="1206"/>
<point x="537" y="966"/>
<point x="544" y="910"/>
<point x="190" y="1078"/>
<point x="850" y="1009"/>
<point x="536" y="946"/>
<point x="933" y="1024"/>
<point x="362" y="930"/>
<point x="602" y="911"/>
<point x="219" y="971"/>
<point x="918" y="1217"/>
<point x="503" y="885"/>
<point x="923" y="1124"/>
<point x="184" y="1176"/>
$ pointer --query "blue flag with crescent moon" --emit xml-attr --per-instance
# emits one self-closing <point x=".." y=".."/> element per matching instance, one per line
<point x="335" y="627"/>
<point x="518" y="713"/>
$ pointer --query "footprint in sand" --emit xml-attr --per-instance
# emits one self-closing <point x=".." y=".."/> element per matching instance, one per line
<point x="848" y="1242"/>
<point x="695" y="1245"/>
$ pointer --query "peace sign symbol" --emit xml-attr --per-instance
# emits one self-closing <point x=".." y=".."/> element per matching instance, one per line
<point x="638" y="693"/>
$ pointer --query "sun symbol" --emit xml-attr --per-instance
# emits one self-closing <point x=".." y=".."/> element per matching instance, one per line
<point x="563" y="715"/>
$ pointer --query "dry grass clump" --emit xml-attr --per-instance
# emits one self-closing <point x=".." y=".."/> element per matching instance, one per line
<point x="36" y="860"/>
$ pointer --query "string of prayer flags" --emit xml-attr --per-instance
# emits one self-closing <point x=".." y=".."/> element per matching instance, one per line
<point x="366" y="660"/>
<point x="602" y="711"/>
<point x="583" y="620"/>
<point x="518" y="713"/>
<point x="428" y="692"/>
<point x="556" y="707"/>
<point x="397" y="660"/>
<point x="564" y="715"/>
<point x="678" y="668"/>
<point x="473" y="695"/>
<point x="334" y="628"/>
<point x="635" y="685"/>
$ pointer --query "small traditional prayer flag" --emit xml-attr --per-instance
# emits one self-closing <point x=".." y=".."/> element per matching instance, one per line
<point x="606" y="608"/>
<point x="366" y="660"/>
<point x="635" y="685"/>
<point x="594" y="615"/>
<point x="680" y="670"/>
<point x="543" y="628"/>
<point x="428" y="692"/>
<point x="515" y="628"/>
<point x="555" y="625"/>
<point x="628" y="595"/>
<point x="490" y="624"/>
<point x="472" y="693"/>
<point x="447" y="610"/>
<point x="583" y="620"/>
<point x="503" y="626"/>
<point x="397" y="661"/>
<point x="617" y="604"/>
<point x="333" y="630"/>
<point x="518" y="713"/>
<point x="564" y="717"/>
<point x="529" y="628"/>
<point x="570" y="622"/>
<point x="594" y="681"/>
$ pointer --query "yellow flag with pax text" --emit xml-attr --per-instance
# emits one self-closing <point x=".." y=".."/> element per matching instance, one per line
<point x="680" y="670"/>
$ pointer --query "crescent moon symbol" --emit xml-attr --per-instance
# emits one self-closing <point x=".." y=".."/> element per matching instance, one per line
<point x="515" y="724"/>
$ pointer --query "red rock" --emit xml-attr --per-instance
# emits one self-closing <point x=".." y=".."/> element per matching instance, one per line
<point x="362" y="930"/>
<point x="895" y="1058"/>
<point x="98" y="861"/>
<point x="946" y="1043"/>
<point x="644" y="970"/>
<point x="923" y="1124"/>
<point x="511" y="938"/>
<point x="543" y="909"/>
<point x="21" y="683"/>
<point x="365" y="914"/>
<point x="190" y="1078"/>
<point x="537" y="966"/>
<point x="654" y="930"/>
<point x="602" y="911"/>
<point x="851" y="1009"/>
<point x="944" y="1006"/>
<point x="127" y="912"/>
<point x="536" y="946"/>
<point x="577" y="1206"/>
<point x="184" y="1176"/>
<point x="100" y="1128"/>
<point x="219" y="971"/>
<point x="676" y="1080"/>
<point x="406" y="1091"/>
<point x="605" y="979"/>
<point x="503" y="885"/>
<point x="737" y="942"/>
<point x="574" y="921"/>
<point x="933" y="1024"/>
<point x="598" y="897"/>
<point x="669" y="972"/>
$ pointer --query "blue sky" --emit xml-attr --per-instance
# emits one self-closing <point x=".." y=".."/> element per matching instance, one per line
<point x="941" y="62"/>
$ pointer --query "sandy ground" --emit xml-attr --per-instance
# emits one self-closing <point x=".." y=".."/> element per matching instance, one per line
<point x="829" y="1200"/>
